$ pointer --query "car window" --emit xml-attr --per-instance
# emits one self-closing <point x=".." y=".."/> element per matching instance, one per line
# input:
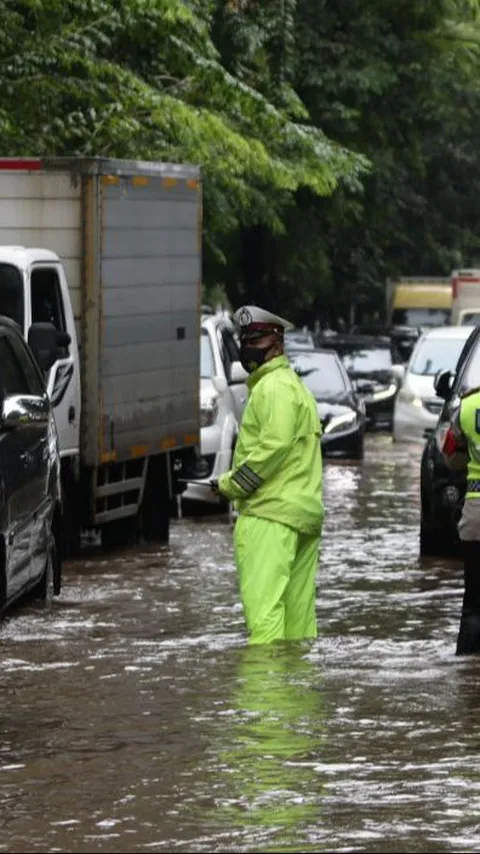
<point x="421" y="317"/>
<point x="28" y="366"/>
<point x="367" y="359"/>
<point x="436" y="354"/>
<point x="12" y="377"/>
<point x="321" y="373"/>
<point x="229" y="350"/>
<point x="471" y="318"/>
<point x="231" y="345"/>
<point x="207" y="364"/>
<point x="470" y="376"/>
<point x="11" y="293"/>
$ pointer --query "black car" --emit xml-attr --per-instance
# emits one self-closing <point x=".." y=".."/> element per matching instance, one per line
<point x="30" y="505"/>
<point x="341" y="412"/>
<point x="442" y="491"/>
<point x="369" y="363"/>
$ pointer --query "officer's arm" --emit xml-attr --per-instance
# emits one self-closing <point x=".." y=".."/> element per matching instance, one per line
<point x="277" y="418"/>
<point x="454" y="448"/>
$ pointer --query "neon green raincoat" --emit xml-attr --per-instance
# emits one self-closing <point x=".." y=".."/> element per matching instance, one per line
<point x="276" y="483"/>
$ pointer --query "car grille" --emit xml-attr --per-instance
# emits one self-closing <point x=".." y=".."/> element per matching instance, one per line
<point x="433" y="406"/>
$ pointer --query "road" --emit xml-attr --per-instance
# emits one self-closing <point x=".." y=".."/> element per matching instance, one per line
<point x="135" y="718"/>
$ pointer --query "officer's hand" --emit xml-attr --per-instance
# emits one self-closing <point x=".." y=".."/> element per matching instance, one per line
<point x="214" y="487"/>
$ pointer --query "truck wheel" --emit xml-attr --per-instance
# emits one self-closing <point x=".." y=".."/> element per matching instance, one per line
<point x="70" y="538"/>
<point x="156" y="506"/>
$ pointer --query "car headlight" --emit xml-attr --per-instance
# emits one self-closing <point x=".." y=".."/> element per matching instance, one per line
<point x="208" y="412"/>
<point x="407" y="396"/>
<point x="339" y="422"/>
<point x="385" y="393"/>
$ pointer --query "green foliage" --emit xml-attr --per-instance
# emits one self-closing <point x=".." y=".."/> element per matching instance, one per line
<point x="143" y="79"/>
<point x="339" y="141"/>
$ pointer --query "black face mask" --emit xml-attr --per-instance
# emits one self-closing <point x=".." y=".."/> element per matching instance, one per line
<point x="252" y="357"/>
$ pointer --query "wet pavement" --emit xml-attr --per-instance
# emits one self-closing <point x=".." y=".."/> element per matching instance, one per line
<point x="135" y="718"/>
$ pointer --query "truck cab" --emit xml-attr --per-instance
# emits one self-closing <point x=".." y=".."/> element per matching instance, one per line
<point x="34" y="289"/>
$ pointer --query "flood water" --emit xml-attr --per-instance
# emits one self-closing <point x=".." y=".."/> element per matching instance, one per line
<point x="135" y="718"/>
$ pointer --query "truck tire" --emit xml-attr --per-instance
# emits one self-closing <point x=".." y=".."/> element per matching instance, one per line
<point x="156" y="505"/>
<point x="70" y="539"/>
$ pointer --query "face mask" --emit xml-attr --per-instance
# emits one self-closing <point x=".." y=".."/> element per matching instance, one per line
<point x="252" y="357"/>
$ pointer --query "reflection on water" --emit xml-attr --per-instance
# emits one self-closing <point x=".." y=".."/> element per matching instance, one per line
<point x="135" y="718"/>
<point x="268" y="787"/>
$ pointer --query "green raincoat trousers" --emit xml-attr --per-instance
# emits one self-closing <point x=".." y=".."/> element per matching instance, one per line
<point x="276" y="483"/>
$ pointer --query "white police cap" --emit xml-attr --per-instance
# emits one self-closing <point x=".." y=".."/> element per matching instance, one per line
<point x="251" y="318"/>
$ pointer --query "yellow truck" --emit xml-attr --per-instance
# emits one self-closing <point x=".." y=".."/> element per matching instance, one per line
<point x="419" y="301"/>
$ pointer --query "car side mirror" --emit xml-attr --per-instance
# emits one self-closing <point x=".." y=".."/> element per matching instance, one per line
<point x="398" y="371"/>
<point x="22" y="410"/>
<point x="442" y="384"/>
<point x="220" y="384"/>
<point x="237" y="373"/>
<point x="43" y="342"/>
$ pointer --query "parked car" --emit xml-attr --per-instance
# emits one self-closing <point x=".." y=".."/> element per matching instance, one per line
<point x="442" y="491"/>
<point x="417" y="406"/>
<point x="340" y="409"/>
<point x="298" y="339"/>
<point x="30" y="505"/>
<point x="369" y="364"/>
<point x="223" y="395"/>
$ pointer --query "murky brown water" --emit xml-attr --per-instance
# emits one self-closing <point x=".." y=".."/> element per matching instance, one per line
<point x="134" y="718"/>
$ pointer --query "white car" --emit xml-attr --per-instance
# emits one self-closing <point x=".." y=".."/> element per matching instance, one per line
<point x="223" y="395"/>
<point x="417" y="406"/>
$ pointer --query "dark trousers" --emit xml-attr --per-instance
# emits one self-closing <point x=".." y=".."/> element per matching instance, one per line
<point x="468" y="640"/>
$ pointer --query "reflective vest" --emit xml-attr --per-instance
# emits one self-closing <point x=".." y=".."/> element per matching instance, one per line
<point x="469" y="420"/>
<point x="277" y="466"/>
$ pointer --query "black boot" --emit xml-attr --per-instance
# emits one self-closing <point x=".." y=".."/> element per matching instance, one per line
<point x="468" y="640"/>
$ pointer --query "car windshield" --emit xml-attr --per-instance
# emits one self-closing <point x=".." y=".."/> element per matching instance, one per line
<point x="421" y="316"/>
<point x="361" y="360"/>
<point x="470" y="318"/>
<point x="11" y="293"/>
<point x="297" y="338"/>
<point x="207" y="365"/>
<point x="471" y="377"/>
<point x="435" y="355"/>
<point x="320" y="372"/>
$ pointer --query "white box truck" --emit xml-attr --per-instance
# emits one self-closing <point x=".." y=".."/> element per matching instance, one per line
<point x="109" y="253"/>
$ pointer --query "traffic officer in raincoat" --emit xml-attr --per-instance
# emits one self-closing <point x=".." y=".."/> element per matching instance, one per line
<point x="276" y="483"/>
<point x="461" y="451"/>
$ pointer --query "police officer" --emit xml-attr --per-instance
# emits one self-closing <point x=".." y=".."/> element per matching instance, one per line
<point x="276" y="483"/>
<point x="461" y="451"/>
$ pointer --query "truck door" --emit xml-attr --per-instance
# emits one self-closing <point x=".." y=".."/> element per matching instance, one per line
<point x="47" y="304"/>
